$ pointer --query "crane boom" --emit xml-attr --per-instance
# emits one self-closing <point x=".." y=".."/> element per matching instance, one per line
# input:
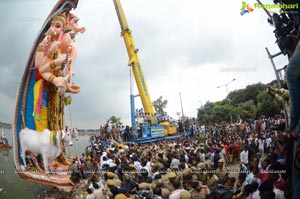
<point x="134" y="62"/>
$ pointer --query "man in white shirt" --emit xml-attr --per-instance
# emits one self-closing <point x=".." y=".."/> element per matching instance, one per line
<point x="261" y="143"/>
<point x="244" y="156"/>
<point x="104" y="163"/>
<point x="136" y="163"/>
<point x="268" y="141"/>
<point x="176" y="193"/>
<point x="97" y="191"/>
<point x="174" y="161"/>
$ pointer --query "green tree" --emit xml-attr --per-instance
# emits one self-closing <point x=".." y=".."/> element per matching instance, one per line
<point x="113" y="120"/>
<point x="267" y="105"/>
<point x="245" y="110"/>
<point x="160" y="105"/>
<point x="204" y="113"/>
<point x="250" y="93"/>
<point x="250" y="102"/>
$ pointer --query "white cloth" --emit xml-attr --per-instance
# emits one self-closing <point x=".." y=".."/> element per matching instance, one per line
<point x="278" y="194"/>
<point x="175" y="194"/>
<point x="104" y="162"/>
<point x="268" y="141"/>
<point x="244" y="157"/>
<point x="148" y="170"/>
<point x="260" y="144"/>
<point x="138" y="165"/>
<point x="92" y="187"/>
<point x="98" y="194"/>
<point x="90" y="196"/>
<point x="174" y="162"/>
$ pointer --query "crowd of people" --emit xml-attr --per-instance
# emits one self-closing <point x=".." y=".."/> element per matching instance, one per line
<point x="250" y="159"/>
<point x="247" y="160"/>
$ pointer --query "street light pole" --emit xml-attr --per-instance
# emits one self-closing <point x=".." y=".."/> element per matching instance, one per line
<point x="226" y="85"/>
<point x="181" y="104"/>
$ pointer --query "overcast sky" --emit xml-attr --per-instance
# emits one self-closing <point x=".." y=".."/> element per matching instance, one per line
<point x="185" y="46"/>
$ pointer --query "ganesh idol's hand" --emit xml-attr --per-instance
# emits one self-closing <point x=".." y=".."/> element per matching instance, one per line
<point x="55" y="45"/>
<point x="60" y="82"/>
<point x="45" y="41"/>
<point x="64" y="58"/>
<point x="54" y="65"/>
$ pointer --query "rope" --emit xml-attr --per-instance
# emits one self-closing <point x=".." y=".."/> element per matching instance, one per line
<point x="69" y="153"/>
<point x="70" y="115"/>
<point x="75" y="149"/>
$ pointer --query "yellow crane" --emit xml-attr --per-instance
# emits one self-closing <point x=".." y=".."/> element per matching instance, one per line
<point x="134" y="63"/>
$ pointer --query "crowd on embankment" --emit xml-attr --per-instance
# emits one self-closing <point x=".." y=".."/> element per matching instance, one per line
<point x="249" y="159"/>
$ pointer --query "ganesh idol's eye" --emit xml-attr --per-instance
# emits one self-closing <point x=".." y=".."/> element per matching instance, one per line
<point x="58" y="25"/>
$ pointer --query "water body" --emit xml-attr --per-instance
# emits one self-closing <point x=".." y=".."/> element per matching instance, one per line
<point x="12" y="185"/>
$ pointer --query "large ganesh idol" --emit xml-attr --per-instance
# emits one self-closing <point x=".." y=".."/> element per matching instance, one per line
<point x="54" y="59"/>
<point x="39" y="129"/>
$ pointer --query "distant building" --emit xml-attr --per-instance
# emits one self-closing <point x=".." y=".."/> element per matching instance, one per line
<point x="5" y="125"/>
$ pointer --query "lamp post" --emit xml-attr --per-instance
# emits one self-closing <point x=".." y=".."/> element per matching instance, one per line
<point x="226" y="85"/>
<point x="182" y="114"/>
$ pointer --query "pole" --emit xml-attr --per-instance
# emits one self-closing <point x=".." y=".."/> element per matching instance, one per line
<point x="226" y="86"/>
<point x="181" y="105"/>
<point x="132" y="106"/>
